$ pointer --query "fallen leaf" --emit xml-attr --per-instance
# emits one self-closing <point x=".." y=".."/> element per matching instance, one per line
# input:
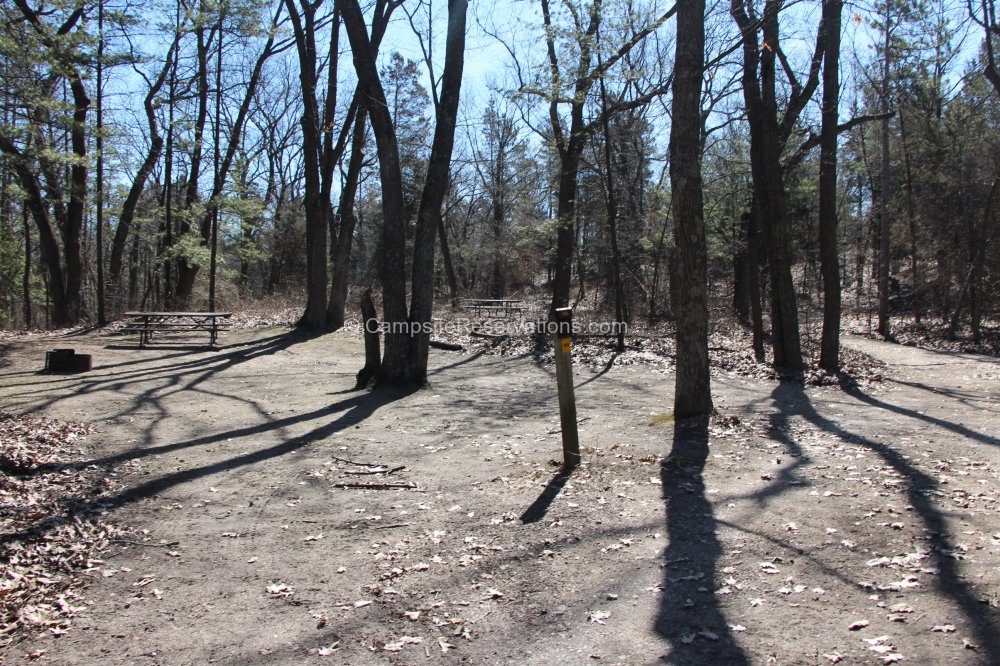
<point x="280" y="590"/>
<point x="598" y="617"/>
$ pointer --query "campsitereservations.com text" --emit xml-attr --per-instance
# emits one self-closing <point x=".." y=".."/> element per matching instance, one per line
<point x="489" y="327"/>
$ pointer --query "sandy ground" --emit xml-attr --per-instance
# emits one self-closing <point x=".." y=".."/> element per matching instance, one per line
<point x="812" y="525"/>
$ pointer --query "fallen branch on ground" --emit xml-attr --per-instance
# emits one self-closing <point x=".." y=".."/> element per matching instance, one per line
<point x="377" y="486"/>
<point x="380" y="470"/>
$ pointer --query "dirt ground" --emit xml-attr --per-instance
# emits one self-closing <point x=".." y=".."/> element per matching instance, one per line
<point x="812" y="525"/>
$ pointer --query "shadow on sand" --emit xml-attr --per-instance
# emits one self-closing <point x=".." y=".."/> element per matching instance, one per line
<point x="689" y="616"/>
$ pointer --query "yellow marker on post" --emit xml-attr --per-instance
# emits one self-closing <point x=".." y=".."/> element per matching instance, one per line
<point x="566" y="345"/>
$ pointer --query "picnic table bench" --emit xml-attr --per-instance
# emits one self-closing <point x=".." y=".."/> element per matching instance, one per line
<point x="492" y="306"/>
<point x="148" y="323"/>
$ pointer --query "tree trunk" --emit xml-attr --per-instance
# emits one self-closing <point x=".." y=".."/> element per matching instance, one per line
<point x="47" y="241"/>
<point x="829" y="259"/>
<point x="373" y="360"/>
<point x="885" y="231"/>
<point x="692" y="393"/>
<point x="497" y="283"/>
<point x="99" y="184"/>
<point x="315" y="208"/>
<point x="768" y="137"/>
<point x="654" y="292"/>
<point x="449" y="268"/>
<point x="435" y="189"/>
<point x="393" y="238"/>
<point x="186" y="271"/>
<point x="26" y="282"/>
<point x="570" y="151"/>
<point x="348" y="221"/>
<point x="612" y="213"/>
<point x="569" y="168"/>
<point x="981" y="239"/>
<point x="753" y="265"/>
<point x="741" y="271"/>
<point x="916" y="288"/>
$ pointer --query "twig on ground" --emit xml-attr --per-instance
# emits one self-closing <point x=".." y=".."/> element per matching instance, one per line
<point x="376" y="486"/>
<point x="132" y="542"/>
<point x="359" y="464"/>
<point x="382" y="470"/>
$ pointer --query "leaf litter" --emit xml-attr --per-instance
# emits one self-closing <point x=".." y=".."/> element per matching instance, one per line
<point x="50" y="505"/>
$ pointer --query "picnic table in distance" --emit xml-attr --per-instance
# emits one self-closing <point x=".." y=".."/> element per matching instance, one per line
<point x="148" y="323"/>
<point x="492" y="306"/>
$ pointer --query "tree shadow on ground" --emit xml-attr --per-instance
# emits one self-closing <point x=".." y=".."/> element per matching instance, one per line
<point x="956" y="428"/>
<point x="160" y="378"/>
<point x="920" y="491"/>
<point x="540" y="506"/>
<point x="352" y="411"/>
<point x="689" y="615"/>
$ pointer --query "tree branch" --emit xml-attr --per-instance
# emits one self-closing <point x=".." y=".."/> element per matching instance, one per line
<point x="814" y="139"/>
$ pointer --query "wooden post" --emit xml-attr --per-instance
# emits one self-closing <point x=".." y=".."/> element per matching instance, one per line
<point x="564" y="378"/>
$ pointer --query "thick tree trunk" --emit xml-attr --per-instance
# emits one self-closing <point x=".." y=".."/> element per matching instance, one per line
<point x="692" y="393"/>
<point x="316" y="210"/>
<point x="393" y="238"/>
<point x="373" y="360"/>
<point x="569" y="169"/>
<point x="768" y="137"/>
<point x="186" y="271"/>
<point x="829" y="259"/>
<point x="435" y="189"/>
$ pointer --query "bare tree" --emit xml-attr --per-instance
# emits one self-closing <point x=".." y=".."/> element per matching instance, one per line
<point x="407" y="339"/>
<point x="692" y="392"/>
<point x="829" y="259"/>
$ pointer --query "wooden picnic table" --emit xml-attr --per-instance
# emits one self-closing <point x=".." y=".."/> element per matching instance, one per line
<point x="488" y="306"/>
<point x="147" y="323"/>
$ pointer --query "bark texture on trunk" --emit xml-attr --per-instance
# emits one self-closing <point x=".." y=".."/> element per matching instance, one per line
<point x="692" y="393"/>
